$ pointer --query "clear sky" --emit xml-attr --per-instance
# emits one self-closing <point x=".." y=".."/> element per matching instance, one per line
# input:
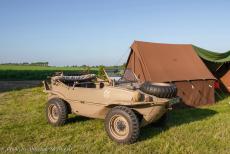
<point x="94" y="32"/>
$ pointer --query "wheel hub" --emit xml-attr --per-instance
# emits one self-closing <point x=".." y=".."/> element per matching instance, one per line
<point x="119" y="127"/>
<point x="53" y="113"/>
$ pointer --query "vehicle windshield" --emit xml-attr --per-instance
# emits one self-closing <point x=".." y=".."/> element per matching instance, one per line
<point x="121" y="75"/>
<point x="114" y="73"/>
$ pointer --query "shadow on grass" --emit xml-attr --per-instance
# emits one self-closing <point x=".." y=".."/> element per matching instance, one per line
<point x="77" y="119"/>
<point x="176" y="118"/>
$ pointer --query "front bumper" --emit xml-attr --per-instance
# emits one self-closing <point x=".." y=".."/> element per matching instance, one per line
<point x="155" y="112"/>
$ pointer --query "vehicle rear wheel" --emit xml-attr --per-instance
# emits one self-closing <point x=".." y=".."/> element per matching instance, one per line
<point x="122" y="125"/>
<point x="56" y="112"/>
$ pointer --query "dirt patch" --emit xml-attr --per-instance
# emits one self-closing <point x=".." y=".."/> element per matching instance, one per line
<point x="15" y="85"/>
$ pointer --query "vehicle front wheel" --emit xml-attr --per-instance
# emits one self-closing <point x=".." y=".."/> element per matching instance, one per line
<point x="122" y="125"/>
<point x="56" y="112"/>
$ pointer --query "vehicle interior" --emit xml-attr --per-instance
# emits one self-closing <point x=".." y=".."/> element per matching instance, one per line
<point x="113" y="77"/>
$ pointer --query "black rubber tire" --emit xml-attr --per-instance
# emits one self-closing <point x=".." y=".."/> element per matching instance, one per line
<point x="161" y="122"/>
<point x="86" y="77"/>
<point x="161" y="91"/>
<point x="133" y="122"/>
<point x="62" y="111"/>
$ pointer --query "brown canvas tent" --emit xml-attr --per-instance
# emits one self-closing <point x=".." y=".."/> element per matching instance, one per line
<point x="179" y="64"/>
<point x="225" y="79"/>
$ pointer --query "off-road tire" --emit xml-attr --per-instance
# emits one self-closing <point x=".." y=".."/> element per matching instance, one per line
<point x="161" y="90"/>
<point x="77" y="78"/>
<point x="132" y="123"/>
<point x="161" y="122"/>
<point x="61" y="112"/>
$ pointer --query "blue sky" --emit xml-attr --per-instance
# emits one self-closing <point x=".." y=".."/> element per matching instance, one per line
<point x="95" y="32"/>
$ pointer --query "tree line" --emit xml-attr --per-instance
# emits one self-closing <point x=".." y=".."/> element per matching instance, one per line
<point x="28" y="64"/>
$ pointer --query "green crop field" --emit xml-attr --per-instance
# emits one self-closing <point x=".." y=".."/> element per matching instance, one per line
<point x="23" y="128"/>
<point x="10" y="72"/>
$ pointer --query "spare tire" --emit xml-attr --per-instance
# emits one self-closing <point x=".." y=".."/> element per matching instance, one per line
<point x="76" y="78"/>
<point x="161" y="90"/>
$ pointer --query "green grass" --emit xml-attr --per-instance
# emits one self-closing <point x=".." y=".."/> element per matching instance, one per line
<point x="23" y="125"/>
<point x="14" y="72"/>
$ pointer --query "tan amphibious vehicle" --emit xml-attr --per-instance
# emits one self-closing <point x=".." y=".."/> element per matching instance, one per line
<point x="124" y="103"/>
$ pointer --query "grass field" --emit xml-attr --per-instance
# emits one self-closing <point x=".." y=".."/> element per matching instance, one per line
<point x="23" y="127"/>
<point x="10" y="72"/>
